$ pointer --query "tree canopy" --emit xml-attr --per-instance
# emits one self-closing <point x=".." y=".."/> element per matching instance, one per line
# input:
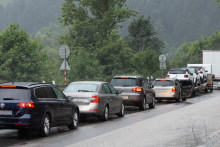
<point x="21" y="58"/>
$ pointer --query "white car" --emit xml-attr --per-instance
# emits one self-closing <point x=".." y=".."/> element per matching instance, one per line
<point x="182" y="74"/>
<point x="196" y="75"/>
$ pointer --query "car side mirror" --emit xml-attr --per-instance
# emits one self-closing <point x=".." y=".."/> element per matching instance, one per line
<point x="70" y="98"/>
<point x="119" y="91"/>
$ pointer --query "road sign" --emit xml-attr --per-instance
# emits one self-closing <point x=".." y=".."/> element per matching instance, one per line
<point x="65" y="64"/>
<point x="64" y="51"/>
<point x="162" y="65"/>
<point x="162" y="58"/>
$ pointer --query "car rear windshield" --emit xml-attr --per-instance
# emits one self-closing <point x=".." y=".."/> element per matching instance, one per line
<point x="124" y="82"/>
<point x="177" y="72"/>
<point x="81" y="87"/>
<point x="163" y="83"/>
<point x="15" y="94"/>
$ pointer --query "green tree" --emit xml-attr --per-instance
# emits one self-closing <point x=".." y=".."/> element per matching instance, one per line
<point x="104" y="15"/>
<point x="192" y="52"/>
<point x="21" y="59"/>
<point x="142" y="35"/>
<point x="93" y="38"/>
<point x="146" y="63"/>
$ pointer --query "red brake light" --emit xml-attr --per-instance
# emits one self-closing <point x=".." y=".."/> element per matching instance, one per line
<point x="95" y="99"/>
<point x="124" y="77"/>
<point x="137" y="89"/>
<point x="173" y="89"/>
<point x="26" y="105"/>
<point x="167" y="76"/>
<point x="186" y="76"/>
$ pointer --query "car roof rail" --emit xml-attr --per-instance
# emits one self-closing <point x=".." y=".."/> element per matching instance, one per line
<point x="37" y="83"/>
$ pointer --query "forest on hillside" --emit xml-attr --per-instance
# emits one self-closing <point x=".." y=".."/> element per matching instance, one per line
<point x="176" y="21"/>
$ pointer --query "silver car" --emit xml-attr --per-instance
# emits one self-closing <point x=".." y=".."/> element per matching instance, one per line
<point x="136" y="91"/>
<point x="96" y="98"/>
<point x="167" y="89"/>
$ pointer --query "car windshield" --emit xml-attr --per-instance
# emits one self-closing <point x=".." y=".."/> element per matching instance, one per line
<point x="163" y="83"/>
<point x="177" y="72"/>
<point x="14" y="94"/>
<point x="124" y="82"/>
<point x="81" y="87"/>
<point x="192" y="70"/>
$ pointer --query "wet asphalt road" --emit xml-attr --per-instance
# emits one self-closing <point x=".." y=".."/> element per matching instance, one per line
<point x="92" y="126"/>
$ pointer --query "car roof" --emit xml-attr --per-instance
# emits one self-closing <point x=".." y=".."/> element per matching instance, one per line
<point x="25" y="84"/>
<point x="89" y="82"/>
<point x="129" y="76"/>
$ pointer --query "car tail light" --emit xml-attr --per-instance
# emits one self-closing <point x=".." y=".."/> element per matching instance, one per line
<point x="201" y="72"/>
<point x="137" y="89"/>
<point x="26" y="105"/>
<point x="186" y="76"/>
<point x="167" y="76"/>
<point x="173" y="89"/>
<point x="95" y="99"/>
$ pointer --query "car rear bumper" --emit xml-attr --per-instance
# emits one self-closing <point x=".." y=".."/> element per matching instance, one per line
<point x="18" y="122"/>
<point x="91" y="109"/>
<point x="132" y="100"/>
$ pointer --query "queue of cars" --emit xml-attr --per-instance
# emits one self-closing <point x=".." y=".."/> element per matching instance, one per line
<point x="28" y="106"/>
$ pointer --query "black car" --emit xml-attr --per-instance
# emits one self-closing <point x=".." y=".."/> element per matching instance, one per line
<point x="35" y="106"/>
<point x="136" y="91"/>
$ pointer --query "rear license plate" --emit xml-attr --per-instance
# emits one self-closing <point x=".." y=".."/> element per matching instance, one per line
<point x="124" y="96"/>
<point x="5" y="112"/>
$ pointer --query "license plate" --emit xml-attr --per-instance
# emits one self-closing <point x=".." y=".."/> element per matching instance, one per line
<point x="5" y="112"/>
<point x="124" y="96"/>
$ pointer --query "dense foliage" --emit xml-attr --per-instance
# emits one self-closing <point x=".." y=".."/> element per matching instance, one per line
<point x="21" y="59"/>
<point x="192" y="52"/>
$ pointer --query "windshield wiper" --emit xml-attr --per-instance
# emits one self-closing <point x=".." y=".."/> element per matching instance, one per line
<point x="10" y="99"/>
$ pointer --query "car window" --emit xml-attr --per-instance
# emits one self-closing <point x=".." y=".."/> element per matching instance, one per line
<point x="81" y="87"/>
<point x="106" y="89"/>
<point x="49" y="93"/>
<point x="163" y="83"/>
<point x="39" y="92"/>
<point x="59" y="94"/>
<point x="125" y="82"/>
<point x="177" y="72"/>
<point x="112" y="89"/>
<point x="17" y="94"/>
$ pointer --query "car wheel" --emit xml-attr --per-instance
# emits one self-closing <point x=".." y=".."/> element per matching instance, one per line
<point x="143" y="105"/>
<point x="75" y="120"/>
<point x="122" y="112"/>
<point x="152" y="105"/>
<point x="45" y="129"/>
<point x="105" y="113"/>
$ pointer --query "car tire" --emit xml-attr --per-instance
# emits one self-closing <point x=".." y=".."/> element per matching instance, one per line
<point x="75" y="121"/>
<point x="122" y="111"/>
<point x="143" y="105"/>
<point x="105" y="113"/>
<point x="152" y="105"/>
<point x="45" y="129"/>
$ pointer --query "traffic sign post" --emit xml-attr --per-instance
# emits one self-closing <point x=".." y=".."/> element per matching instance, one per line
<point x="162" y="59"/>
<point x="64" y="53"/>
